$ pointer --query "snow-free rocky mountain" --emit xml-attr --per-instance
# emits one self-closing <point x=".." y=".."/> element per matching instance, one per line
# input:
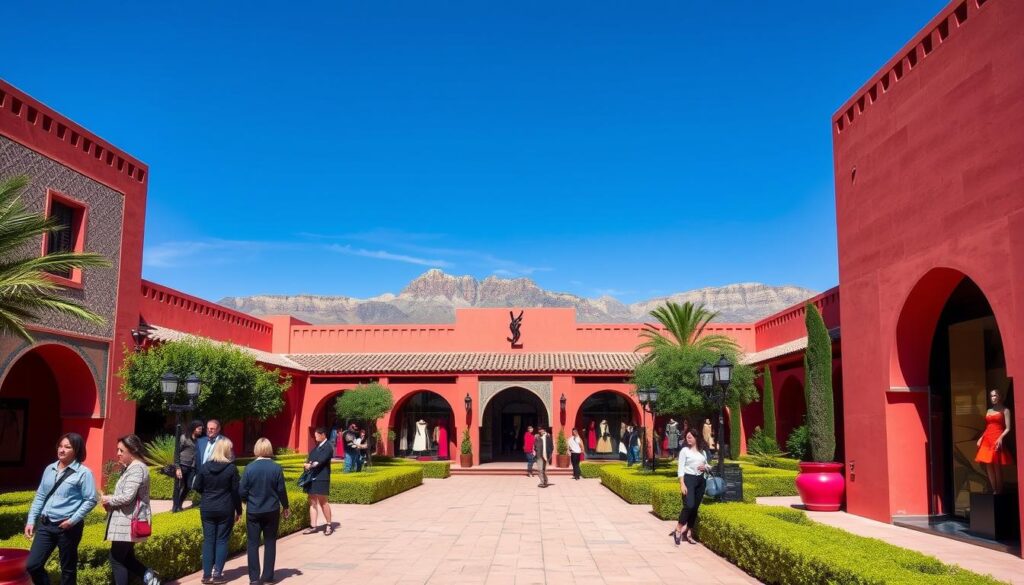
<point x="434" y="296"/>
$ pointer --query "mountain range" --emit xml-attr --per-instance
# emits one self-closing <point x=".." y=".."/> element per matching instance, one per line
<point x="433" y="297"/>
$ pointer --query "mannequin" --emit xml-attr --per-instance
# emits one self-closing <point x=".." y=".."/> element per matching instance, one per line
<point x="672" y="432"/>
<point x="604" y="442"/>
<point x="403" y="443"/>
<point x="592" y="437"/>
<point x="708" y="439"/>
<point x="622" y="431"/>
<point x="992" y="453"/>
<point x="419" y="442"/>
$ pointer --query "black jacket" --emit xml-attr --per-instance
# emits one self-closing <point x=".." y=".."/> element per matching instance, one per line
<point x="322" y="457"/>
<point x="218" y="484"/>
<point x="262" y="487"/>
<point x="549" y="446"/>
<point x="632" y="439"/>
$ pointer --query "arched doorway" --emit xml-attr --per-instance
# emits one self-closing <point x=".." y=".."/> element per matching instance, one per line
<point x="504" y="421"/>
<point x="423" y="426"/>
<point x="965" y="359"/>
<point x="47" y="390"/>
<point x="790" y="408"/>
<point x="602" y="420"/>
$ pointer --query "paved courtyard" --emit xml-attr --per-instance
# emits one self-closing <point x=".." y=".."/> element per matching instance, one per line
<point x="495" y="530"/>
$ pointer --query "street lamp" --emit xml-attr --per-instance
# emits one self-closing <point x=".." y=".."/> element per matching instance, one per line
<point x="469" y="403"/>
<point x="169" y="384"/>
<point x="561" y="402"/>
<point x="648" y="400"/>
<point x="714" y="381"/>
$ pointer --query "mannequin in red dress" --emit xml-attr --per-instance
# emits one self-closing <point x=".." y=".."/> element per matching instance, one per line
<point x="991" y="451"/>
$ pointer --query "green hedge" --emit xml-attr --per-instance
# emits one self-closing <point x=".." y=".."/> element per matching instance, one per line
<point x="592" y="469"/>
<point x="173" y="550"/>
<point x="383" y="480"/>
<point x="782" y="545"/>
<point x="13" y="518"/>
<point x="431" y="469"/>
<point x="781" y="462"/>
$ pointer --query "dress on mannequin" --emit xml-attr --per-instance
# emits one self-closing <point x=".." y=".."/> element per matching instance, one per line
<point x="604" y="443"/>
<point x="419" y="442"/>
<point x="592" y="437"/>
<point x="995" y="424"/>
<point x="442" y="440"/>
<point x="403" y="444"/>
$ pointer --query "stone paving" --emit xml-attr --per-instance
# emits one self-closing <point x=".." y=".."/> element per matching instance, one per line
<point x="495" y="530"/>
<point x="1003" y="566"/>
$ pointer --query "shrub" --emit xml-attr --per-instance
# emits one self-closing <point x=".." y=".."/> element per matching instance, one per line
<point x="282" y="451"/>
<point x="365" y="402"/>
<point x="467" y="444"/>
<point x="173" y="550"/>
<point x="561" y="444"/>
<point x="772" y="462"/>
<point x="592" y="469"/>
<point x="821" y="423"/>
<point x="768" y="405"/>
<point x="781" y="545"/>
<point x="799" y="444"/>
<point x="761" y="443"/>
<point x="14" y="516"/>
<point x="160" y="451"/>
<point x="735" y="429"/>
<point x="375" y="484"/>
<point x="12" y="498"/>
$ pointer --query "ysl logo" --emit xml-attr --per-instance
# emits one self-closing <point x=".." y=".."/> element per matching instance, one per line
<point x="513" y="326"/>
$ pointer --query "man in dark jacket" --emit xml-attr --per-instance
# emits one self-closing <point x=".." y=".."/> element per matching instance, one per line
<point x="632" y="440"/>
<point x="543" y="448"/>
<point x="351" y="449"/>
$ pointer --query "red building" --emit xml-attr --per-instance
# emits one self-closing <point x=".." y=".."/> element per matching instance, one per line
<point x="929" y="170"/>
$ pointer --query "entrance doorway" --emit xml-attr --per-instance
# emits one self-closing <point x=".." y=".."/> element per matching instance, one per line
<point x="504" y="422"/>
<point x="966" y="362"/>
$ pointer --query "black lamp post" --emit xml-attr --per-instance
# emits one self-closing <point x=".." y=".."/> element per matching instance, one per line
<point x="469" y="403"/>
<point x="561" y="402"/>
<point x="169" y="385"/>
<point x="138" y="338"/>
<point x="714" y="381"/>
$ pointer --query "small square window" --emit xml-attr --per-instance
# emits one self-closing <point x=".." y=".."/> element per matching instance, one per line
<point x="70" y="215"/>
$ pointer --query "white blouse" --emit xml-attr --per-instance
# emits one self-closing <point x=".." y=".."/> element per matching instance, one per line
<point x="690" y="461"/>
<point x="575" y="445"/>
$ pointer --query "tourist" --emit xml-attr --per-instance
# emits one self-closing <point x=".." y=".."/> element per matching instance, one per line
<point x="219" y="508"/>
<point x="351" y="450"/>
<point x="319" y="467"/>
<point x="361" y="445"/>
<point x="185" y="464"/>
<point x="692" y="465"/>
<point x="130" y="501"/>
<point x="528" y="443"/>
<point x="632" y="440"/>
<point x="60" y="513"/>
<point x="262" y="489"/>
<point x="575" y="451"/>
<point x="204" y="446"/>
<point x="543" y="448"/>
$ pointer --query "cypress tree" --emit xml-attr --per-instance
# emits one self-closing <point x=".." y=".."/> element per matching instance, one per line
<point x="821" y="423"/>
<point x="735" y="430"/>
<point x="768" y="403"/>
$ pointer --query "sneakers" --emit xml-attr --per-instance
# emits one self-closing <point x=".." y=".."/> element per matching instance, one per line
<point x="151" y="577"/>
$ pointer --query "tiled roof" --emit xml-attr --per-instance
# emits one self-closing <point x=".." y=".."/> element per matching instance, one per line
<point x="455" y="362"/>
<point x="790" y="347"/>
<point x="164" y="334"/>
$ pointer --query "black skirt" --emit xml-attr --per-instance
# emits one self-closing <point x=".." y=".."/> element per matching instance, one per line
<point x="319" y="488"/>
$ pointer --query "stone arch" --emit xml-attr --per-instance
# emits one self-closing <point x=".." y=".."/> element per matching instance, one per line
<point x="539" y="388"/>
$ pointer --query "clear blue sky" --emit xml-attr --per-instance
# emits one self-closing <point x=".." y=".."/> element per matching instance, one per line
<point x="635" y="149"/>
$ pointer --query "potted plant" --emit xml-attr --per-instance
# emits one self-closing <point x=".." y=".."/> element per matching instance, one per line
<point x="466" y="455"/>
<point x="562" y="450"/>
<point x="820" y="481"/>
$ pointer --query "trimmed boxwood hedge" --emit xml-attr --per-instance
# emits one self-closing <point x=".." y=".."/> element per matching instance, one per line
<point x="431" y="469"/>
<point x="782" y="545"/>
<point x="173" y="550"/>
<point x="781" y="462"/>
<point x="383" y="480"/>
<point x="592" y="469"/>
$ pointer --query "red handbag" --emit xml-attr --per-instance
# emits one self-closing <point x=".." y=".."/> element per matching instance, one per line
<point x="140" y="528"/>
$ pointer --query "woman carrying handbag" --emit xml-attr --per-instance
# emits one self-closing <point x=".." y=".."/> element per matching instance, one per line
<point x="128" y="514"/>
<point x="692" y="465"/>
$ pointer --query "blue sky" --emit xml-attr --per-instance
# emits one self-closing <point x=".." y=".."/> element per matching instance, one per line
<point x="632" y="149"/>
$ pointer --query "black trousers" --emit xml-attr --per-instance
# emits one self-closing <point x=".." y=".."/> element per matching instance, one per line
<point x="575" y="458"/>
<point x="182" y="486"/>
<point x="266" y="523"/>
<point x="123" y="562"/>
<point x="48" y="537"/>
<point x="695" y="485"/>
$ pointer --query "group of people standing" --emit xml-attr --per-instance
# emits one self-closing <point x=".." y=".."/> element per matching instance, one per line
<point x="353" y="446"/>
<point x="539" y="447"/>
<point x="67" y="493"/>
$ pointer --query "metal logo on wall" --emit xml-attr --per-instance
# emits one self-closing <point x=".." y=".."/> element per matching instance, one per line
<point x="513" y="326"/>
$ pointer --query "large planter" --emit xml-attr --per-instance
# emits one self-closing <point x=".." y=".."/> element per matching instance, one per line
<point x="821" y="486"/>
<point x="466" y="460"/>
<point x="12" y="566"/>
<point x="561" y="461"/>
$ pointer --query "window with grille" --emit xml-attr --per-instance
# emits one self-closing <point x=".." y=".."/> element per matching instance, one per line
<point x="66" y="239"/>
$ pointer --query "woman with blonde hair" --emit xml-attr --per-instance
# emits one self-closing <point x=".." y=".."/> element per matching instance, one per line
<point x="219" y="508"/>
<point x="262" y="489"/>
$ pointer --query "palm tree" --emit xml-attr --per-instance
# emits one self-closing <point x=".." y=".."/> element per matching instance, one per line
<point x="684" y="327"/>
<point x="26" y="288"/>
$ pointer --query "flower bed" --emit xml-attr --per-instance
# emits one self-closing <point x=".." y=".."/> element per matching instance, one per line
<point x="782" y="545"/>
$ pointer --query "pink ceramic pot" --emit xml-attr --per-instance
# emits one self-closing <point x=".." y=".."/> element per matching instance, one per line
<point x="12" y="566"/>
<point x="821" y="486"/>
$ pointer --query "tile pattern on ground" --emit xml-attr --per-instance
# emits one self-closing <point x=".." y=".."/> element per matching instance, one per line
<point x="495" y="530"/>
